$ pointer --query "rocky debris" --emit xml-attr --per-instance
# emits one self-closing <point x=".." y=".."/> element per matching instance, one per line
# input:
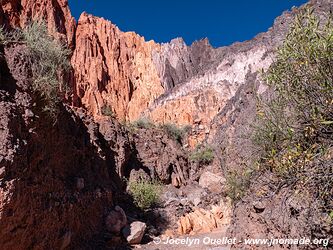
<point x="116" y="220"/>
<point x="140" y="174"/>
<point x="272" y="211"/>
<point x="213" y="182"/>
<point x="134" y="232"/>
<point x="203" y="220"/>
<point x="195" y="197"/>
<point x="176" y="203"/>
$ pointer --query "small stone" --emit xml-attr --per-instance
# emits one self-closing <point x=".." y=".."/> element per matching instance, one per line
<point x="196" y="201"/>
<point x="175" y="180"/>
<point x="197" y="120"/>
<point x="259" y="207"/>
<point x="28" y="113"/>
<point x="2" y="172"/>
<point x="134" y="232"/>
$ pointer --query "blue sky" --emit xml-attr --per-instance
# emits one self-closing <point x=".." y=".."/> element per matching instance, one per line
<point x="222" y="21"/>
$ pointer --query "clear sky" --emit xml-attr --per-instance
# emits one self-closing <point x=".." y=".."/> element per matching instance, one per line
<point x="221" y="21"/>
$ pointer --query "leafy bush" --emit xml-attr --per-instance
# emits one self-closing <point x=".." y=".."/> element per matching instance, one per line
<point x="143" y="123"/>
<point x="145" y="193"/>
<point x="177" y="133"/>
<point x="300" y="111"/>
<point x="238" y="184"/>
<point x="47" y="57"/>
<point x="203" y="155"/>
<point x="295" y="123"/>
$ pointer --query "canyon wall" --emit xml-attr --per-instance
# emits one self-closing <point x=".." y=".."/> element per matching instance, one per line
<point x="168" y="83"/>
<point x="120" y="71"/>
<point x="113" y="69"/>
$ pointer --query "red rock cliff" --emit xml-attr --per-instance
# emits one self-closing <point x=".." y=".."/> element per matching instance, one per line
<point x="113" y="69"/>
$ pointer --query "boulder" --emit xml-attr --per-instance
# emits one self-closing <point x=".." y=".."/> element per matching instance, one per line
<point x="116" y="220"/>
<point x="134" y="232"/>
<point x="212" y="182"/>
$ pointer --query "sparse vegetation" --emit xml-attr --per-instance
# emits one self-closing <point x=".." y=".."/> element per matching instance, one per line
<point x="107" y="111"/>
<point x="202" y="154"/>
<point x="295" y="124"/>
<point x="238" y="184"/>
<point x="175" y="132"/>
<point x="2" y="35"/>
<point x="145" y="193"/>
<point x="143" y="123"/>
<point x="47" y="57"/>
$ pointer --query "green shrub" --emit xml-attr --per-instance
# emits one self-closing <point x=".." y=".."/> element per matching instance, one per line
<point x="203" y="155"/>
<point x="143" y="123"/>
<point x="2" y="35"/>
<point x="294" y="125"/>
<point x="48" y="59"/>
<point x="300" y="111"/>
<point x="145" y="193"/>
<point x="238" y="184"/>
<point x="175" y="132"/>
<point x="107" y="111"/>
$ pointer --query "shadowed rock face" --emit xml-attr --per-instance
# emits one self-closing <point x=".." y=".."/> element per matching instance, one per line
<point x="176" y="62"/>
<point x="55" y="179"/>
<point x="59" y="181"/>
